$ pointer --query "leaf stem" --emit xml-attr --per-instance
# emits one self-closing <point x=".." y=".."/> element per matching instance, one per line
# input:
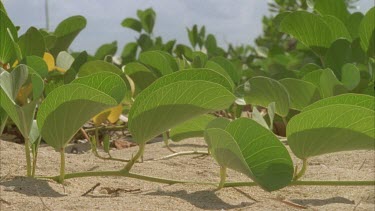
<point x="302" y="171"/>
<point x="111" y="127"/>
<point x="223" y="176"/>
<point x="28" y="158"/>
<point x="62" y="166"/>
<point x="139" y="154"/>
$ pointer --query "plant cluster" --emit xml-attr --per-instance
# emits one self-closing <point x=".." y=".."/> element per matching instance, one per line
<point x="314" y="75"/>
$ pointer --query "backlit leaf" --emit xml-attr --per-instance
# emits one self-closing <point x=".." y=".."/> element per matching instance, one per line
<point x="69" y="106"/>
<point x="247" y="147"/>
<point x="332" y="127"/>
<point x="176" y="98"/>
<point x="264" y="91"/>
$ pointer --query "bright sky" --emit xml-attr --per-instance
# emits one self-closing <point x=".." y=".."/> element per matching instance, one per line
<point x="234" y="21"/>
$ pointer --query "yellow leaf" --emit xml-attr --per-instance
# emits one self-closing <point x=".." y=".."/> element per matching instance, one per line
<point x="61" y="70"/>
<point x="15" y="64"/>
<point x="115" y="114"/>
<point x="23" y="94"/>
<point x="48" y="58"/>
<point x="101" y="117"/>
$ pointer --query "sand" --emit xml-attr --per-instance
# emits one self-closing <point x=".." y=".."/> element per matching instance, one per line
<point x="18" y="192"/>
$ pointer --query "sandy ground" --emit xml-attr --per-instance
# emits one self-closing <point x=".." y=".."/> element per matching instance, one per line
<point x="20" y="193"/>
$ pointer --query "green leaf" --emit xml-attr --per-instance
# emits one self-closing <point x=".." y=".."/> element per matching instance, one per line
<point x="360" y="100"/>
<point x="258" y="117"/>
<point x="176" y="98"/>
<point x="264" y="91"/>
<point x="37" y="64"/>
<point x="141" y="76"/>
<point x="191" y="128"/>
<point x="193" y="35"/>
<point x="331" y="128"/>
<point x="66" y="32"/>
<point x="228" y="67"/>
<point x="337" y="27"/>
<point x="336" y="8"/>
<point x="367" y="32"/>
<point x="352" y="24"/>
<point x="129" y="52"/>
<point x="147" y="18"/>
<point x="68" y="107"/>
<point x="97" y="66"/>
<point x="105" y="50"/>
<point x="219" y="69"/>
<point x="247" y="147"/>
<point x="301" y="93"/>
<point x="339" y="53"/>
<point x="326" y="82"/>
<point x="308" y="28"/>
<point x="3" y="119"/>
<point x="11" y="84"/>
<point x="350" y="76"/>
<point x="7" y="31"/>
<point x="156" y="60"/>
<point x="32" y="43"/>
<point x="211" y="44"/>
<point x="132" y="23"/>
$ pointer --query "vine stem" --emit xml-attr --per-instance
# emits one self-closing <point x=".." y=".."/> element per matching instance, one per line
<point x="122" y="173"/>
<point x="28" y="158"/>
<point x="62" y="166"/>
<point x="111" y="127"/>
<point x="183" y="153"/>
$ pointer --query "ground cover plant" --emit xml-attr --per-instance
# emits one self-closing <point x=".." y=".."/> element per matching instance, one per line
<point x="320" y="89"/>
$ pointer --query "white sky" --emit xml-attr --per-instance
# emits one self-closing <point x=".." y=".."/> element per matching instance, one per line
<point x="234" y="21"/>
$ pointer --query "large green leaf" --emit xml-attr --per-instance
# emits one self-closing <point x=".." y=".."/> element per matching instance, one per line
<point x="7" y="31"/>
<point x="367" y="32"/>
<point x="336" y="8"/>
<point x="301" y="93"/>
<point x="308" y="28"/>
<point x="140" y="74"/>
<point x="338" y="28"/>
<point x="97" y="66"/>
<point x="105" y="50"/>
<point x="132" y="23"/>
<point x="68" y="107"/>
<point x="190" y="129"/>
<point x="333" y="127"/>
<point x="11" y="84"/>
<point x="157" y="61"/>
<point x="32" y="43"/>
<point x="66" y="32"/>
<point x="245" y="146"/>
<point x="360" y="100"/>
<point x="264" y="91"/>
<point x="176" y="98"/>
